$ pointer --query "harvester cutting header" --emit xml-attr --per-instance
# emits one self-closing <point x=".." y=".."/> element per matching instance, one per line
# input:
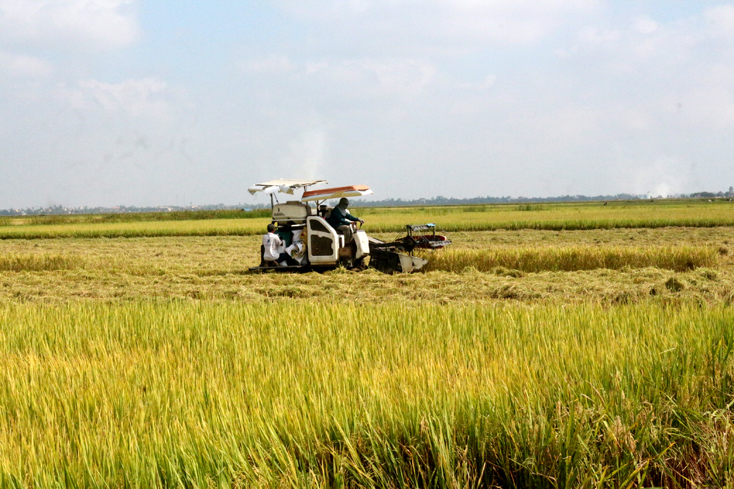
<point x="304" y="237"/>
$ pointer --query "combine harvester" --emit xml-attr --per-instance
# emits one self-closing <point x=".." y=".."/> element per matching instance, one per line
<point x="315" y="245"/>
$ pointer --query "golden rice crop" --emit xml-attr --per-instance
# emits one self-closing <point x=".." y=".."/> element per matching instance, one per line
<point x="14" y="262"/>
<point x="561" y="216"/>
<point x="573" y="258"/>
<point x="307" y="394"/>
<point x="208" y="227"/>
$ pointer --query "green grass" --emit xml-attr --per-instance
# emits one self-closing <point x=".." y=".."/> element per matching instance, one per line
<point x="302" y="394"/>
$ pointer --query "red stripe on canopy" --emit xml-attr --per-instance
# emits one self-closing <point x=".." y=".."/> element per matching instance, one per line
<point x="329" y="191"/>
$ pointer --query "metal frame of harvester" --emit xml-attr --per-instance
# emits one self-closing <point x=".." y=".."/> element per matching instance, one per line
<point x="320" y="247"/>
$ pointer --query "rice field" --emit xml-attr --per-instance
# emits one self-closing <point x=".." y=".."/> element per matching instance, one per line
<point x="479" y="267"/>
<point x="321" y="395"/>
<point x="549" y="217"/>
<point x="206" y="227"/>
<point x="678" y="258"/>
<point x="522" y="357"/>
<point x="38" y="262"/>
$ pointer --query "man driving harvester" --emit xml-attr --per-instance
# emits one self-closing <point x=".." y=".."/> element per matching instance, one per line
<point x="341" y="220"/>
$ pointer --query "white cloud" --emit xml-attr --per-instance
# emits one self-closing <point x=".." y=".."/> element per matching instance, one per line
<point x="645" y="25"/>
<point x="24" y="66"/>
<point x="146" y="98"/>
<point x="721" y="19"/>
<point x="595" y="35"/>
<point x="403" y="77"/>
<point x="92" y="23"/>
<point x="511" y="21"/>
<point x="633" y="105"/>
<point x="273" y="64"/>
<point x="485" y="84"/>
<point x="664" y="93"/>
<point x="711" y="107"/>
<point x="642" y="43"/>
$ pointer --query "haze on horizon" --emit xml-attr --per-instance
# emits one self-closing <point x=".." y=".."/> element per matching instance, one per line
<point x="160" y="102"/>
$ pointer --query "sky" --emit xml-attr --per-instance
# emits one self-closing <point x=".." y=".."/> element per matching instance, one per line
<point x="175" y="102"/>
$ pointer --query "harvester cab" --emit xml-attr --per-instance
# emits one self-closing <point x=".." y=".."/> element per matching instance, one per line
<point x="312" y="243"/>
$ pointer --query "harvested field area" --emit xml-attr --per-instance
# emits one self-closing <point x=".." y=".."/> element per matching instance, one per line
<point x="569" y="266"/>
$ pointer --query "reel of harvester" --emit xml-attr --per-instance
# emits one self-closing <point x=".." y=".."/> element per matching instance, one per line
<point x="397" y="255"/>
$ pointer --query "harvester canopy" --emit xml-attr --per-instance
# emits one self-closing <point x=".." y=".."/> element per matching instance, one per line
<point x="284" y="186"/>
<point x="335" y="193"/>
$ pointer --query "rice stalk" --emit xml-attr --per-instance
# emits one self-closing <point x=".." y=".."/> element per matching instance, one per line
<point x="15" y="262"/>
<point x="309" y="394"/>
<point x="574" y="258"/>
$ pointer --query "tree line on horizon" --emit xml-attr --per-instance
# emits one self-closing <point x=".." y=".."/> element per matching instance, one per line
<point x="433" y="201"/>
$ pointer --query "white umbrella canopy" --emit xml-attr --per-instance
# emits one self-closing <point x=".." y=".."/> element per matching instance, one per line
<point x="283" y="186"/>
